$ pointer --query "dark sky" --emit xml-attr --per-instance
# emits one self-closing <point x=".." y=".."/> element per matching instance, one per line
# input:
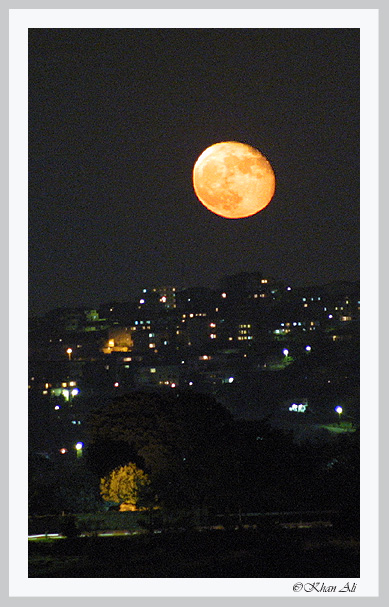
<point x="117" y="119"/>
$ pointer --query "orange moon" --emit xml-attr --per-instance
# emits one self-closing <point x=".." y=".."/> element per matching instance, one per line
<point x="233" y="180"/>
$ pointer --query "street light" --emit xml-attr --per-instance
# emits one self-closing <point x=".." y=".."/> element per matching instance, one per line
<point x="338" y="409"/>
<point x="69" y="353"/>
<point x="79" y="446"/>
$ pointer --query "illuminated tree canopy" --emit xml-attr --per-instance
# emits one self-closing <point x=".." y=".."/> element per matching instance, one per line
<point x="124" y="486"/>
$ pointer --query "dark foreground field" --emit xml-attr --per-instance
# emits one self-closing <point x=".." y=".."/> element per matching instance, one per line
<point x="211" y="554"/>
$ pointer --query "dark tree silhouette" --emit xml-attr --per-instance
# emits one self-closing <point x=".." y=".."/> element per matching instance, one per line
<point x="183" y="440"/>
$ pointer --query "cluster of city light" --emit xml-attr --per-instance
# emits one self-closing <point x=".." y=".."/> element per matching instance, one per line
<point x="78" y="447"/>
<point x="298" y="408"/>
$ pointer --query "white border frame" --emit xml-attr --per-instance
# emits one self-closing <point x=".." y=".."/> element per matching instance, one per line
<point x="20" y="21"/>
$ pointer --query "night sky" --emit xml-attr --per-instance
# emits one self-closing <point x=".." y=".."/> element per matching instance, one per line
<point x="117" y="119"/>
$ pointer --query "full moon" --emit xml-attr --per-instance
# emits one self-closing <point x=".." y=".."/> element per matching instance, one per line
<point x="233" y="180"/>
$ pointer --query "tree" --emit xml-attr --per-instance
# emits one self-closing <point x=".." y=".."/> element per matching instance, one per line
<point x="183" y="438"/>
<point x="124" y="486"/>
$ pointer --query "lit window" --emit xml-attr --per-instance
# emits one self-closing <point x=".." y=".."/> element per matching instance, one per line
<point x="151" y="345"/>
<point x="64" y="384"/>
<point x="153" y="370"/>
